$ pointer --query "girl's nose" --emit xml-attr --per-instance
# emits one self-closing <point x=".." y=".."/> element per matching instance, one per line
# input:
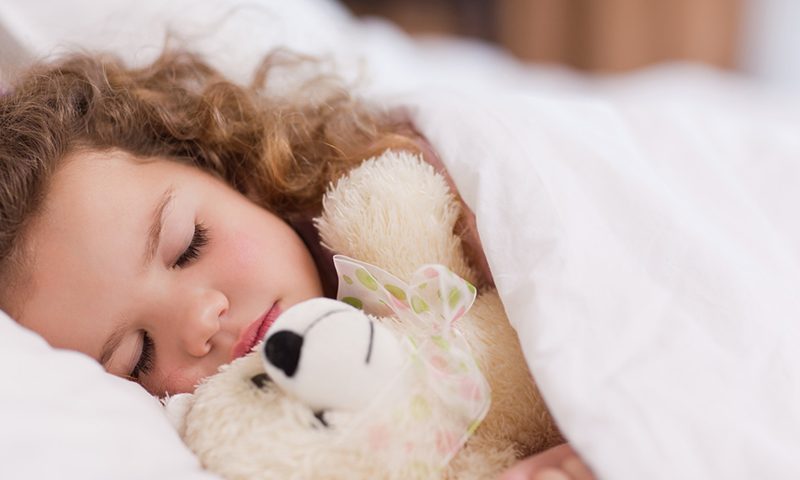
<point x="201" y="321"/>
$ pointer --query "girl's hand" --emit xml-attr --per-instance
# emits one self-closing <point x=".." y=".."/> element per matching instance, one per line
<point x="558" y="463"/>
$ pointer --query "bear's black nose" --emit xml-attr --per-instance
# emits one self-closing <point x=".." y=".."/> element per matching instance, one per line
<point x="283" y="351"/>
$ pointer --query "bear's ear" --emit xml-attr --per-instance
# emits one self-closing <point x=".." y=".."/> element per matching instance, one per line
<point x="396" y="212"/>
<point x="177" y="407"/>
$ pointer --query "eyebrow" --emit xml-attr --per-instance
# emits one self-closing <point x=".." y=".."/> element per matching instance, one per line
<point x="112" y="344"/>
<point x="156" y="225"/>
<point x="151" y="247"/>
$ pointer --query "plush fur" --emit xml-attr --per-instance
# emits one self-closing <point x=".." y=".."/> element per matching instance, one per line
<point x="397" y="213"/>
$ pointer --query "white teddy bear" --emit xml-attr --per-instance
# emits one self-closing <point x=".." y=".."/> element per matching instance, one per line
<point x="333" y="393"/>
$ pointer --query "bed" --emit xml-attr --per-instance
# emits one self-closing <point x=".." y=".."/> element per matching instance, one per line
<point x="642" y="230"/>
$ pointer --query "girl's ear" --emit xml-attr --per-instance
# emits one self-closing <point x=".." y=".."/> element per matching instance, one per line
<point x="176" y="407"/>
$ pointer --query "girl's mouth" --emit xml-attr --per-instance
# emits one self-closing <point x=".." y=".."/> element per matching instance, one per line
<point x="254" y="332"/>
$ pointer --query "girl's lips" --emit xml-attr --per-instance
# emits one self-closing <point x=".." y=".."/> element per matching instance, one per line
<point x="255" y="332"/>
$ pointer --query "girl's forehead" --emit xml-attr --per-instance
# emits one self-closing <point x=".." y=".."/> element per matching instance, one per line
<point x="94" y="212"/>
<point x="97" y="168"/>
<point x="92" y="182"/>
<point x="93" y="191"/>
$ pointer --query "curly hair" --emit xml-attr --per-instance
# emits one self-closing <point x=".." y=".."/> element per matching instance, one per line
<point x="281" y="151"/>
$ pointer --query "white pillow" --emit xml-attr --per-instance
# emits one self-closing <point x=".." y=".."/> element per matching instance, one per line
<point x="63" y="417"/>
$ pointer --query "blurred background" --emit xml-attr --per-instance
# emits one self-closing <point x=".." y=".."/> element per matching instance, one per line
<point x="760" y="37"/>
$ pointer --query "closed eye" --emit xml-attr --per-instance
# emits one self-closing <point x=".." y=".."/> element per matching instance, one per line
<point x="146" y="358"/>
<point x="193" y="250"/>
<point x="320" y="415"/>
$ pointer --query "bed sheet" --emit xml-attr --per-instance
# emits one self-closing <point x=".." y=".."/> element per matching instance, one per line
<point x="645" y="247"/>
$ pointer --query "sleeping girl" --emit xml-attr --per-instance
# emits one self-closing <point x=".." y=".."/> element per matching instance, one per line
<point x="150" y="217"/>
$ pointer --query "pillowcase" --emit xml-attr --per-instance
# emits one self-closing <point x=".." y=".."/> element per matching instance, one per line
<point x="64" y="417"/>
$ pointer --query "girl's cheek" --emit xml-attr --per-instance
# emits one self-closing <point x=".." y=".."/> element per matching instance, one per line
<point x="242" y="252"/>
<point x="175" y="382"/>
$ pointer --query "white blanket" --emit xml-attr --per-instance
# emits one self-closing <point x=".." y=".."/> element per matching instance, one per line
<point x="647" y="253"/>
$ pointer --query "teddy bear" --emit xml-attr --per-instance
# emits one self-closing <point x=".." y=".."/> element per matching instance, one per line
<point x="425" y="379"/>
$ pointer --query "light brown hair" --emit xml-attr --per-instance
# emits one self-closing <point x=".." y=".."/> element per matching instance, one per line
<point x="281" y="151"/>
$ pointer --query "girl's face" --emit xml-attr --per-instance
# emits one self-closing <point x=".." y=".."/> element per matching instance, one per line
<point x="158" y="270"/>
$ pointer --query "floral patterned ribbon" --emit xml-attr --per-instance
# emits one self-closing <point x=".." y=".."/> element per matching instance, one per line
<point x="424" y="417"/>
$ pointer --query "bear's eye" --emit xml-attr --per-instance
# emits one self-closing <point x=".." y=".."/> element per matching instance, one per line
<point x="261" y="380"/>
<point x="320" y="415"/>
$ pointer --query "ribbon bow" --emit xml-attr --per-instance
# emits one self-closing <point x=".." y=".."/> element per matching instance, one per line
<point x="449" y="396"/>
<point x="434" y="295"/>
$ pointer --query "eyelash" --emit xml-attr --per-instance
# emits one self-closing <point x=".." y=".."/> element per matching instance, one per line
<point x="145" y="362"/>
<point x="192" y="252"/>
